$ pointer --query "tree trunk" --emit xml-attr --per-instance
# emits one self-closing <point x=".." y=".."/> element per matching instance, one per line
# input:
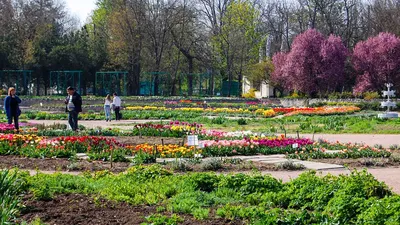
<point x="135" y="75"/>
<point x="190" y="75"/>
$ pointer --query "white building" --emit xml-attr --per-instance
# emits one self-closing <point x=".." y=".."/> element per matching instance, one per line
<point x="263" y="91"/>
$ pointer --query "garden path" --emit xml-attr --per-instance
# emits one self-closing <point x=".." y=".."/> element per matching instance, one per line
<point x="386" y="140"/>
<point x="389" y="175"/>
<point x="123" y="124"/>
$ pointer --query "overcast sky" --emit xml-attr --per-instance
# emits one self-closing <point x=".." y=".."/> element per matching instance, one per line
<point x="80" y="8"/>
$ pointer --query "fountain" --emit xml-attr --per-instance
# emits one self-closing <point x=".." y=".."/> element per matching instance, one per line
<point x="389" y="104"/>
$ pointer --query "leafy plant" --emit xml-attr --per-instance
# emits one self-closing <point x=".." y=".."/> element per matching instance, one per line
<point x="158" y="219"/>
<point x="10" y="188"/>
<point x="218" y="120"/>
<point x="212" y="164"/>
<point x="290" y="165"/>
<point x="181" y="166"/>
<point x="242" y="121"/>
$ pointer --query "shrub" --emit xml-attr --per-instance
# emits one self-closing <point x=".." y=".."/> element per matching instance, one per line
<point x="219" y="120"/>
<point x="290" y="165"/>
<point x="205" y="181"/>
<point x="371" y="95"/>
<point x="212" y="164"/>
<point x="369" y="105"/>
<point x="250" y="94"/>
<point x="143" y="158"/>
<point x="242" y="121"/>
<point x="180" y="166"/>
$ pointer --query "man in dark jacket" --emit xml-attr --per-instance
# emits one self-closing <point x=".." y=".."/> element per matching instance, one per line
<point x="73" y="104"/>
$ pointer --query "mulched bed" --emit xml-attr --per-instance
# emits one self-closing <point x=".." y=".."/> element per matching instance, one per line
<point x="84" y="165"/>
<point x="136" y="140"/>
<point x="59" y="164"/>
<point x="79" y="209"/>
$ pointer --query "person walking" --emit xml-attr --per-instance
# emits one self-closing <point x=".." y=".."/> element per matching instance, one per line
<point x="107" y="108"/>
<point x="117" y="106"/>
<point x="11" y="107"/>
<point x="73" y="104"/>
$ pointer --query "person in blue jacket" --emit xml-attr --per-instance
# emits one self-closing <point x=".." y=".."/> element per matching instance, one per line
<point x="11" y="107"/>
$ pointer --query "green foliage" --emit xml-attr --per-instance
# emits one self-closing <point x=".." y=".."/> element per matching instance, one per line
<point x="371" y="95"/>
<point x="238" y="41"/>
<point x="357" y="198"/>
<point x="219" y="120"/>
<point x="36" y="221"/>
<point x="341" y="95"/>
<point x="381" y="211"/>
<point x="260" y="73"/>
<point x="143" y="158"/>
<point x="250" y="94"/>
<point x="180" y="166"/>
<point x="290" y="165"/>
<point x="212" y="164"/>
<point x="11" y="186"/>
<point x="242" y="121"/>
<point x="362" y="124"/>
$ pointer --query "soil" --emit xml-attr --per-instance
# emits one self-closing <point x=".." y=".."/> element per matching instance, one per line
<point x="79" y="209"/>
<point x="84" y="165"/>
<point x="136" y="140"/>
<point x="59" y="164"/>
<point x="244" y="166"/>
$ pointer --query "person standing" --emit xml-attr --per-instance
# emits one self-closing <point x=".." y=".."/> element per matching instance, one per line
<point x="11" y="107"/>
<point x="107" y="108"/>
<point x="73" y="104"/>
<point x="117" y="106"/>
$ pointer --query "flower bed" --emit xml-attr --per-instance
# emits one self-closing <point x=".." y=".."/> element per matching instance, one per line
<point x="166" y="151"/>
<point x="101" y="148"/>
<point x="294" y="148"/>
<point x="173" y="129"/>
<point x="317" y="110"/>
<point x="34" y="146"/>
<point x="251" y="147"/>
<point x="192" y="109"/>
<point x="6" y="128"/>
<point x="252" y="110"/>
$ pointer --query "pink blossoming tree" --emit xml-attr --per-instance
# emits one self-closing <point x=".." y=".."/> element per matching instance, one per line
<point x="377" y="61"/>
<point x="314" y="64"/>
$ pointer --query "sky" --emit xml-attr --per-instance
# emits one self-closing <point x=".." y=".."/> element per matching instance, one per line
<point x="80" y="8"/>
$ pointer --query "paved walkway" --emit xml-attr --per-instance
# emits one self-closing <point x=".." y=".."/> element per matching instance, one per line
<point x="279" y="159"/>
<point x="391" y="176"/>
<point x="386" y="140"/>
<point x="124" y="124"/>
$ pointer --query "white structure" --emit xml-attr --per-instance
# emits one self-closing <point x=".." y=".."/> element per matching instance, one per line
<point x="265" y="90"/>
<point x="389" y="104"/>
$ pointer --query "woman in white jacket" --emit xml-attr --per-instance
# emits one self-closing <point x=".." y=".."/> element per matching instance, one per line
<point x="107" y="108"/>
